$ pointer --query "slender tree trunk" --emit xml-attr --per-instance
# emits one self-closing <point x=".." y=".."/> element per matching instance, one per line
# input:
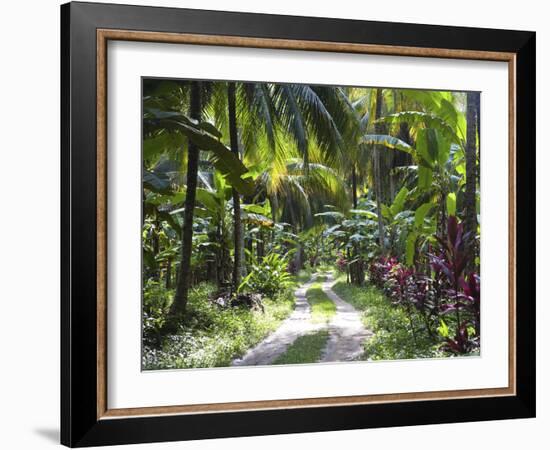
<point x="470" y="223"/>
<point x="260" y="244"/>
<point x="392" y="186"/>
<point x="179" y="304"/>
<point x="357" y="274"/>
<point x="155" y="272"/>
<point x="354" y="187"/>
<point x="237" y="225"/>
<point x="220" y="256"/>
<point x="169" y="273"/>
<point x="377" y="172"/>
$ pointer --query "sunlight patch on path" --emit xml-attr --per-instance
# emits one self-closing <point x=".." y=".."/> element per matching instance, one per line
<point x="346" y="329"/>
<point x="296" y="325"/>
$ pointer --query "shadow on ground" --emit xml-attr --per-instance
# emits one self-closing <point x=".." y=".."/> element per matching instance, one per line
<point x="50" y="434"/>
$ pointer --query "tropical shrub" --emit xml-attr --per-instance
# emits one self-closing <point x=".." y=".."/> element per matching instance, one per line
<point x="212" y="336"/>
<point x="156" y="302"/>
<point x="444" y="296"/>
<point x="267" y="276"/>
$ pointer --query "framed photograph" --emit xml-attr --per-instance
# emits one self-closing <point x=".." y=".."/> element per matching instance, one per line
<point x="277" y="224"/>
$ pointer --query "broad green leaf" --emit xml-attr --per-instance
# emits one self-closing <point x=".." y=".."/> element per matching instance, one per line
<point x="443" y="149"/>
<point x="420" y="214"/>
<point x="166" y="199"/>
<point x="448" y="113"/>
<point x="421" y="120"/>
<point x="172" y="220"/>
<point x="410" y="248"/>
<point x="209" y="200"/>
<point x="332" y="229"/>
<point x="197" y="212"/>
<point x="364" y="212"/>
<point x="357" y="237"/>
<point x="427" y="146"/>
<point x="425" y="176"/>
<point x="257" y="209"/>
<point x="422" y="149"/>
<point x="209" y="128"/>
<point x="443" y="329"/>
<point x="156" y="182"/>
<point x="155" y="113"/>
<point x="333" y="214"/>
<point x="430" y="99"/>
<point x="451" y="204"/>
<point x="163" y="142"/>
<point x="399" y="201"/>
<point x="386" y="213"/>
<point x="222" y="158"/>
<point x="387" y="141"/>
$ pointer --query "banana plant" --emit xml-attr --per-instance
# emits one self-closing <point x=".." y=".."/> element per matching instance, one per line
<point x="421" y="233"/>
<point x="168" y="128"/>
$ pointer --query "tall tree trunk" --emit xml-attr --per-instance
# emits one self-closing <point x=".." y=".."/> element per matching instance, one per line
<point x="260" y="244"/>
<point x="220" y="256"/>
<point x="354" y="187"/>
<point x="470" y="223"/>
<point x="237" y="225"/>
<point x="169" y="273"/>
<point x="155" y="271"/>
<point x="179" y="304"/>
<point x="357" y="275"/>
<point x="377" y="172"/>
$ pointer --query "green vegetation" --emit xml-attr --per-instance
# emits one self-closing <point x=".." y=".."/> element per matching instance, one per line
<point x="303" y="276"/>
<point x="322" y="307"/>
<point x="252" y="187"/>
<point x="212" y="336"/>
<point x="390" y="325"/>
<point x="305" y="349"/>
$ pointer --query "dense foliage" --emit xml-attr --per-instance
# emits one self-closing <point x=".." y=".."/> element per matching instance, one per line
<point x="249" y="188"/>
<point x="212" y="335"/>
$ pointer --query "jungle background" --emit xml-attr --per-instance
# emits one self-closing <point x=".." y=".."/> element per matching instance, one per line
<point x="292" y="223"/>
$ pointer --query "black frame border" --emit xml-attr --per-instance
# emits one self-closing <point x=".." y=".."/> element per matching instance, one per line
<point x="79" y="424"/>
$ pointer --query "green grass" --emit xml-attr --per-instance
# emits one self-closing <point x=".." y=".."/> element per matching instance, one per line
<point x="212" y="336"/>
<point x="321" y="278"/>
<point x="306" y="349"/>
<point x="324" y="268"/>
<point x="303" y="276"/>
<point x="392" y="337"/>
<point x="322" y="307"/>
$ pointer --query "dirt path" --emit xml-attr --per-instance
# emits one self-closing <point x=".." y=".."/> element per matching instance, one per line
<point x="346" y="329"/>
<point x="296" y="325"/>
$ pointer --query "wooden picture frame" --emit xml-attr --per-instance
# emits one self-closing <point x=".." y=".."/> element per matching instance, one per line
<point x="85" y="418"/>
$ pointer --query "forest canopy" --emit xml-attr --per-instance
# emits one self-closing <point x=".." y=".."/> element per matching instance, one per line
<point x="262" y="201"/>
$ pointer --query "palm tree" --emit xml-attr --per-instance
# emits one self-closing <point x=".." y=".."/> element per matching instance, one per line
<point x="365" y="158"/>
<point x="305" y="113"/>
<point x="237" y="224"/>
<point x="298" y="191"/>
<point x="179" y="303"/>
<point x="166" y="130"/>
<point x="377" y="171"/>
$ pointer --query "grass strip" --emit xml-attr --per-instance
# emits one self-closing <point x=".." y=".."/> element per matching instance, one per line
<point x="322" y="307"/>
<point x="392" y="338"/>
<point x="306" y="349"/>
